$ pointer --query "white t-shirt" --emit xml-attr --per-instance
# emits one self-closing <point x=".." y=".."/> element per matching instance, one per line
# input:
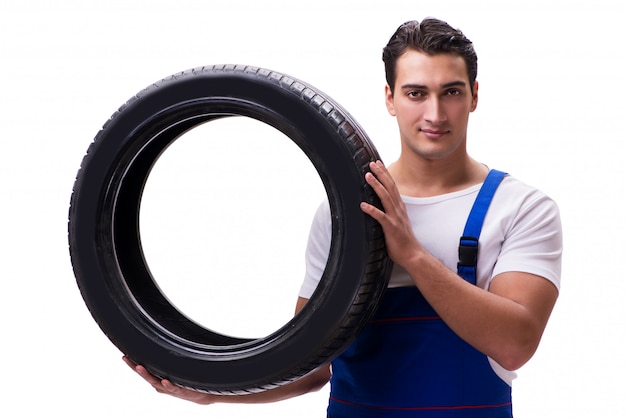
<point x="521" y="232"/>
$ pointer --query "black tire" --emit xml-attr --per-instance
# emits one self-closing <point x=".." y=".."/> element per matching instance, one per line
<point x="114" y="278"/>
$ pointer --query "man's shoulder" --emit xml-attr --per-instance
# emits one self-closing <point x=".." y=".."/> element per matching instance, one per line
<point x="516" y="199"/>
<point x="514" y="188"/>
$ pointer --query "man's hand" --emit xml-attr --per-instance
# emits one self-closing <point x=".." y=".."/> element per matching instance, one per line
<point x="312" y="382"/>
<point x="399" y="237"/>
<point x="169" y="388"/>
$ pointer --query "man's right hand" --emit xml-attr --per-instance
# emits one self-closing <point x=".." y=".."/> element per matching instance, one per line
<point x="312" y="382"/>
<point x="169" y="388"/>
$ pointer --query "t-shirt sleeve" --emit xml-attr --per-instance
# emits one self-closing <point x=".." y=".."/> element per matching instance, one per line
<point x="534" y="242"/>
<point x="317" y="250"/>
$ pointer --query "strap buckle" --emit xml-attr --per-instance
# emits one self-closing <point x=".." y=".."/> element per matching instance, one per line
<point x="468" y="251"/>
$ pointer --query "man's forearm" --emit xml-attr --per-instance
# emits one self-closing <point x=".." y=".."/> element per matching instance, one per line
<point x="505" y="323"/>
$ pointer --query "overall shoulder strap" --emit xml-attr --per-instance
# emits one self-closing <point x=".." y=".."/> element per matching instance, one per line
<point x="468" y="245"/>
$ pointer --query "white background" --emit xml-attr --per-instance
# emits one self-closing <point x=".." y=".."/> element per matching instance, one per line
<point x="551" y="112"/>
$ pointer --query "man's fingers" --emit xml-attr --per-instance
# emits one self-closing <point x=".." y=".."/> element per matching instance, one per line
<point x="380" y="180"/>
<point x="382" y="174"/>
<point x="372" y="211"/>
<point x="166" y="386"/>
<point x="129" y="362"/>
<point x="377" y="185"/>
<point x="143" y="372"/>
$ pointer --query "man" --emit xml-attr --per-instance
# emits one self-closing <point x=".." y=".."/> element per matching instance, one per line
<point x="443" y="343"/>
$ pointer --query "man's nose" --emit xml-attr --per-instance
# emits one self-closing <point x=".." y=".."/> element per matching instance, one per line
<point x="435" y="112"/>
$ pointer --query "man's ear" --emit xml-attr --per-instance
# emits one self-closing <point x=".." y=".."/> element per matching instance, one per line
<point x="391" y="108"/>
<point x="474" y="97"/>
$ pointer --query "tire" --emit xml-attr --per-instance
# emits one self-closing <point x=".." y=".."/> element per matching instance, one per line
<point x="105" y="243"/>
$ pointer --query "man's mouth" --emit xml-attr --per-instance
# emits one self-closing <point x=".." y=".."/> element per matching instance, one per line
<point x="434" y="133"/>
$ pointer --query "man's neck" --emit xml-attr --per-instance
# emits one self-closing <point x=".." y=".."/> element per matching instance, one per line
<point x="425" y="178"/>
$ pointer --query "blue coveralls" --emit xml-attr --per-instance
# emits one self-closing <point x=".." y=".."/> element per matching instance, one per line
<point x="379" y="375"/>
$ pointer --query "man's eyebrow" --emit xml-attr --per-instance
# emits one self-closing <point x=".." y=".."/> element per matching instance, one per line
<point x="414" y="86"/>
<point x="458" y="83"/>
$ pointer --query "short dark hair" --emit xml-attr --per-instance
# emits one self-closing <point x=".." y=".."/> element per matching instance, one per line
<point x="431" y="36"/>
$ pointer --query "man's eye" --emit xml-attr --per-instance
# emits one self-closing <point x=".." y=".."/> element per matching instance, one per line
<point x="415" y="94"/>
<point x="453" y="92"/>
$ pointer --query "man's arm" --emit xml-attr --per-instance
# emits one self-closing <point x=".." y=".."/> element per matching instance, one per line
<point x="314" y="381"/>
<point x="505" y="323"/>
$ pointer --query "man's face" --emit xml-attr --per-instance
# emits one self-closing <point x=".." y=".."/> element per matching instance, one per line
<point x="432" y="102"/>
